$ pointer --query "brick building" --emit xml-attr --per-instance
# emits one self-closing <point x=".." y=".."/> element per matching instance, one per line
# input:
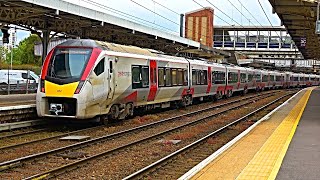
<point x="199" y="26"/>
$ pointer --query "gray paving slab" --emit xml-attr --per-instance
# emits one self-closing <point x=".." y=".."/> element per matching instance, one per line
<point x="302" y="160"/>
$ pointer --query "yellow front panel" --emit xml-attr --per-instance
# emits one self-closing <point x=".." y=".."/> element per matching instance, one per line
<point x="55" y="90"/>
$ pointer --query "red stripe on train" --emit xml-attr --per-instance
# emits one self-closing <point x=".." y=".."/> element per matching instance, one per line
<point x="209" y="80"/>
<point x="153" y="80"/>
<point x="46" y="64"/>
<point x="94" y="55"/>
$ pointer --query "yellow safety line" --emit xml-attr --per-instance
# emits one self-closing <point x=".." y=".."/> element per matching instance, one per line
<point x="266" y="163"/>
<point x="278" y="163"/>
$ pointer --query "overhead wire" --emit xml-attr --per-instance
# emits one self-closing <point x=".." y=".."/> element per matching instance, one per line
<point x="205" y="36"/>
<point x="155" y="12"/>
<point x="129" y="16"/>
<point x="268" y="18"/>
<point x="222" y="18"/>
<point x="242" y="13"/>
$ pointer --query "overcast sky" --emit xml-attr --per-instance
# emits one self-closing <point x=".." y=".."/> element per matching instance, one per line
<point x="169" y="21"/>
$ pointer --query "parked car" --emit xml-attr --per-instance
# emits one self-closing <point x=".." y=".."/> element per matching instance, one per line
<point x="18" y="77"/>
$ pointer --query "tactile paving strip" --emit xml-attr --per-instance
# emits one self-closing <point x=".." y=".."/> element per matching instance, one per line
<point x="266" y="163"/>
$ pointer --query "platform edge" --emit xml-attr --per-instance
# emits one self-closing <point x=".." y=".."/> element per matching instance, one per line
<point x="213" y="156"/>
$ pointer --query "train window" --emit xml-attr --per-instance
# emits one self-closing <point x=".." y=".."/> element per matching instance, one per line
<point x="204" y="78"/>
<point x="250" y="77"/>
<point x="168" y="77"/>
<point x="232" y="77"/>
<point x="213" y="78"/>
<point x="180" y="77"/>
<point x="145" y="76"/>
<point x="296" y="78"/>
<point x="258" y="77"/>
<point x="140" y="77"/>
<point x="99" y="69"/>
<point x="198" y="77"/>
<point x="272" y="78"/>
<point x="291" y="78"/>
<point x="194" y="77"/>
<point x="265" y="78"/>
<point x="185" y="77"/>
<point x="136" y="77"/>
<point x="243" y="77"/>
<point x="174" y="76"/>
<point x="110" y="66"/>
<point x="278" y="78"/>
<point x="219" y="77"/>
<point x="161" y="77"/>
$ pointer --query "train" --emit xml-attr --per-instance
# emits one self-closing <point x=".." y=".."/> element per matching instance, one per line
<point x="83" y="79"/>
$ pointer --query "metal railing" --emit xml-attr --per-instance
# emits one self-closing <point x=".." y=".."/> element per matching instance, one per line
<point x="18" y="88"/>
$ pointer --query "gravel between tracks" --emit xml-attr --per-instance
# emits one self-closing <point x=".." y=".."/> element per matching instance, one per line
<point x="119" y="165"/>
<point x="151" y="151"/>
<point x="55" y="143"/>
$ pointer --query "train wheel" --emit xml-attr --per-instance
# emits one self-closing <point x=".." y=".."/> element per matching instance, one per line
<point x="245" y="91"/>
<point x="229" y="94"/>
<point x="114" y="112"/>
<point x="129" y="109"/>
<point x="218" y="95"/>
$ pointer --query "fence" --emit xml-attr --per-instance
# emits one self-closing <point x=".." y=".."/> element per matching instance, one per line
<point x="18" y="88"/>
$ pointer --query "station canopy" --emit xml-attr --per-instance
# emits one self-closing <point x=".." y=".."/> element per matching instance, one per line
<point x="73" y="20"/>
<point x="299" y="17"/>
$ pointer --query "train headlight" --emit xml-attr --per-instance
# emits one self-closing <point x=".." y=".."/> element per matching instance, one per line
<point x="77" y="91"/>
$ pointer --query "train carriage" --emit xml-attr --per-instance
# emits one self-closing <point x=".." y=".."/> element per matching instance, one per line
<point x="302" y="80"/>
<point x="278" y="79"/>
<point x="200" y="72"/>
<point x="251" y="79"/>
<point x="236" y="80"/>
<point x="218" y="80"/>
<point x="84" y="79"/>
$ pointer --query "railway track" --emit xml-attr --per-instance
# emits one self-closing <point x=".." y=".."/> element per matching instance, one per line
<point x="28" y="142"/>
<point x="194" y="152"/>
<point x="14" y="134"/>
<point x="129" y="132"/>
<point x="59" y="135"/>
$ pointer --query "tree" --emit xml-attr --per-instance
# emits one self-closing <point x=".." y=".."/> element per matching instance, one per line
<point x="24" y="53"/>
<point x="3" y="52"/>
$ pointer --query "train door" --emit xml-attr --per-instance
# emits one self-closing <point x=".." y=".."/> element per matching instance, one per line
<point x="110" y="76"/>
<point x="99" y="80"/>
<point x="153" y="81"/>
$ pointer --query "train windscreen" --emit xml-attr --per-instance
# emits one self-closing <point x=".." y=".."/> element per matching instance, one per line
<point x="68" y="64"/>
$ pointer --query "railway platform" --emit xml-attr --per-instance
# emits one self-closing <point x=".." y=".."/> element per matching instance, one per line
<point x="17" y="99"/>
<point x="282" y="145"/>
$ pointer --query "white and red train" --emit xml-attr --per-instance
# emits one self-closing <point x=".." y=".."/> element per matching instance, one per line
<point x="83" y="79"/>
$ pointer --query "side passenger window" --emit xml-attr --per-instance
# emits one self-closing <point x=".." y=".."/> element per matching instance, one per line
<point x="99" y="69"/>
<point x="140" y="77"/>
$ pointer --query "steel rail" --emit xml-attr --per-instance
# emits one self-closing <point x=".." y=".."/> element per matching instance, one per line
<point x="75" y="164"/>
<point x="19" y="160"/>
<point x="158" y="163"/>
<point x="23" y="133"/>
<point x="47" y="138"/>
<point x="52" y="137"/>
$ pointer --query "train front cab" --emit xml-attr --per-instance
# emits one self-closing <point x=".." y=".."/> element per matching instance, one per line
<point x="73" y="81"/>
